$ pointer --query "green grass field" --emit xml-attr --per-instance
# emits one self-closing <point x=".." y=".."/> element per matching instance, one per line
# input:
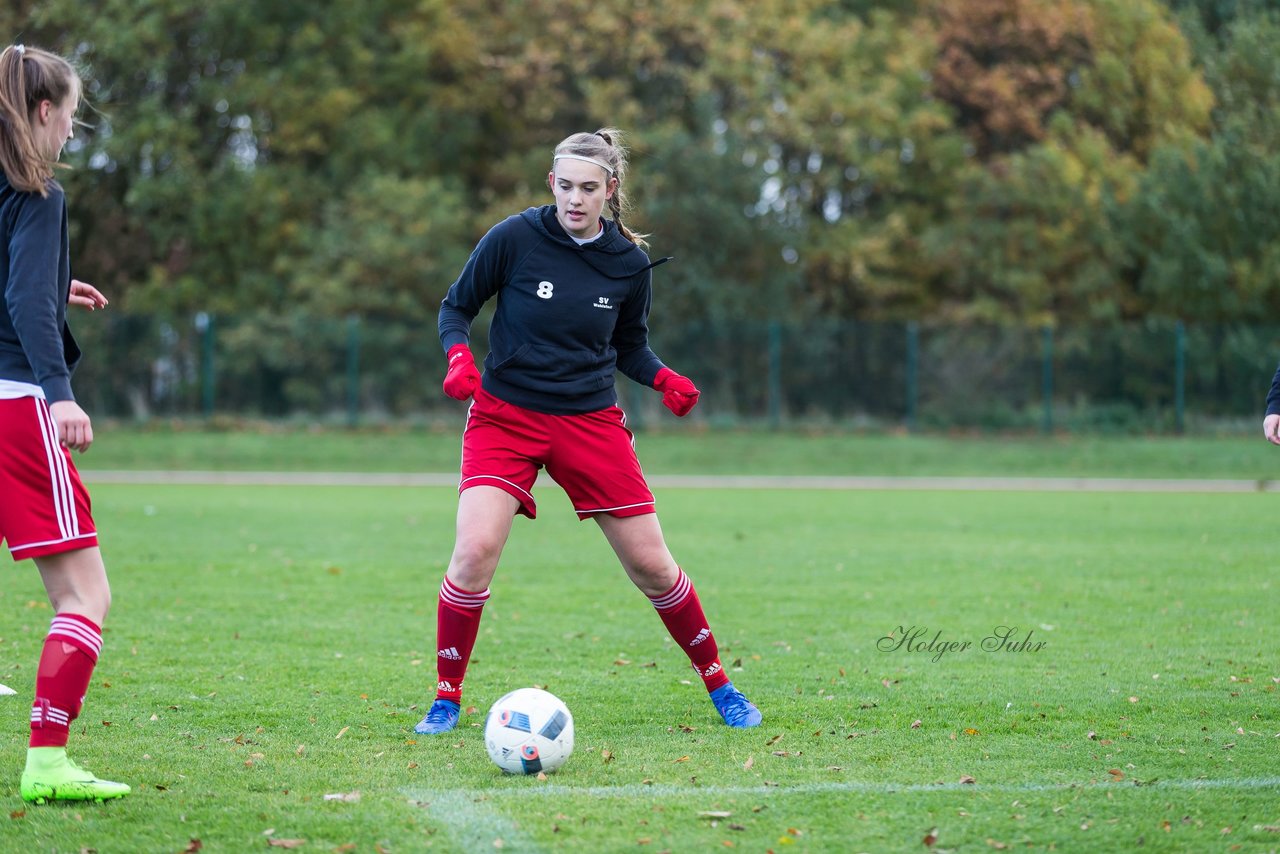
<point x="273" y="646"/>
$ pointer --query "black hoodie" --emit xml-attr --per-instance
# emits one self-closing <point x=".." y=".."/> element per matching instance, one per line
<point x="36" y="346"/>
<point x="568" y="316"/>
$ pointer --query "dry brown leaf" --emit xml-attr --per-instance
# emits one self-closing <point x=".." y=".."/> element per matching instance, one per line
<point x="341" y="733"/>
<point x="999" y="846"/>
<point x="967" y="780"/>
<point x="746" y="766"/>
<point x="774" y="740"/>
<point x="17" y="814"/>
<point x="286" y="843"/>
<point x="681" y="759"/>
<point x="715" y="814"/>
<point x="606" y="755"/>
<point x="970" y="731"/>
<point x="930" y="836"/>
<point x="344" y="797"/>
<point x="1116" y="774"/>
<point x="915" y="724"/>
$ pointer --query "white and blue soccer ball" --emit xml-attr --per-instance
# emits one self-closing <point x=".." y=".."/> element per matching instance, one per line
<point x="529" y="731"/>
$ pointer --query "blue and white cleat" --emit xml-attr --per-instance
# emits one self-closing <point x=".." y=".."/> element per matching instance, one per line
<point x="736" y="709"/>
<point x="441" y="717"/>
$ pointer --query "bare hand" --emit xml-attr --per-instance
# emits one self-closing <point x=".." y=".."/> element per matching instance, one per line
<point x="85" y="294"/>
<point x="74" y="429"/>
<point x="1271" y="429"/>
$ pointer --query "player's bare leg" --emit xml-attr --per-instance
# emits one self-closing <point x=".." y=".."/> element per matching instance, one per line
<point x="485" y="516"/>
<point x="639" y="545"/>
<point x="76" y="582"/>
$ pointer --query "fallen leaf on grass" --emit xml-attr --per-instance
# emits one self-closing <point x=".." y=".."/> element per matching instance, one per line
<point x="344" y="797"/>
<point x="774" y="740"/>
<point x="746" y="766"/>
<point x="970" y="731"/>
<point x="715" y="814"/>
<point x="930" y="836"/>
<point x="967" y="780"/>
<point x="606" y="755"/>
<point x="915" y="724"/>
<point x="286" y="843"/>
<point x="999" y="846"/>
<point x="193" y="846"/>
<point x="681" y="759"/>
<point x="1116" y="774"/>
<point x="1267" y="828"/>
<point x="341" y="733"/>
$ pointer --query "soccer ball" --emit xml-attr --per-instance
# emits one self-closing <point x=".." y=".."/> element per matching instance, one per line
<point x="527" y="731"/>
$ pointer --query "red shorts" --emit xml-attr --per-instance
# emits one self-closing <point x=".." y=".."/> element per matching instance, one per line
<point x="44" y="508"/>
<point x="592" y="456"/>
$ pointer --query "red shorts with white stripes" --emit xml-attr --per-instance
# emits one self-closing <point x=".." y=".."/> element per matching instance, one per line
<point x="592" y="456"/>
<point x="44" y="508"/>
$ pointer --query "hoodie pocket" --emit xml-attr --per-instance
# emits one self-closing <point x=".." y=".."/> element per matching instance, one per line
<point x="556" y="371"/>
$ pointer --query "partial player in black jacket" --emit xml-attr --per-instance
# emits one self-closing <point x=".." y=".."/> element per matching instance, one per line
<point x="573" y="290"/>
<point x="44" y="508"/>
<point x="1271" y="423"/>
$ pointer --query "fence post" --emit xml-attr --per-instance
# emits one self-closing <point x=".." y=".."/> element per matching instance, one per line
<point x="353" y="370"/>
<point x="204" y="325"/>
<point x="775" y="374"/>
<point x="913" y="350"/>
<point x="1046" y="380"/>
<point x="1180" y="376"/>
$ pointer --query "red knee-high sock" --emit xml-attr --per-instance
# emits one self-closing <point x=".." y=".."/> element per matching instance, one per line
<point x="70" y="651"/>
<point x="681" y="613"/>
<point x="457" y="624"/>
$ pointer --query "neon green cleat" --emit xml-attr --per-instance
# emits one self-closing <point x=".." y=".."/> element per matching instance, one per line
<point x="51" y="776"/>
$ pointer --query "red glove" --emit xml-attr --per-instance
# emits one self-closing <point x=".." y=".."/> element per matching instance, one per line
<point x="463" y="379"/>
<point x="679" y="394"/>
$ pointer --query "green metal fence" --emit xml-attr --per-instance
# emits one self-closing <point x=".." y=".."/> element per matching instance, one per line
<point x="1154" y="376"/>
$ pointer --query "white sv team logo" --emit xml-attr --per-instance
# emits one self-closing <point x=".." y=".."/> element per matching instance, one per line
<point x="545" y="289"/>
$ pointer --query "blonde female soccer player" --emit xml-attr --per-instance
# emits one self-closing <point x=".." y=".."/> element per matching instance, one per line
<point x="44" y="508"/>
<point x="573" y="290"/>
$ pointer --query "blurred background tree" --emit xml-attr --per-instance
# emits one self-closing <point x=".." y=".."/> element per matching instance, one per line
<point x="1017" y="162"/>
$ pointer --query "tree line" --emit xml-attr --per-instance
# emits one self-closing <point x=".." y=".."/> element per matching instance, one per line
<point x="1013" y="162"/>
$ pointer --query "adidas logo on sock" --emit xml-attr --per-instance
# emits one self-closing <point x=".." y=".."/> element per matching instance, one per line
<point x="710" y="671"/>
<point x="446" y="685"/>
<point x="702" y="635"/>
<point x="451" y="653"/>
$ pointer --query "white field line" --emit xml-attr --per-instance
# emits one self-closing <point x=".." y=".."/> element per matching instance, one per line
<point x="638" y="790"/>
<point x="870" y="483"/>
<point x="473" y="822"/>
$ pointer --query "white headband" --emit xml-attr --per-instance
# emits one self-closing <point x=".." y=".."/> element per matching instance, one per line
<point x="21" y="49"/>
<point x="605" y="166"/>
